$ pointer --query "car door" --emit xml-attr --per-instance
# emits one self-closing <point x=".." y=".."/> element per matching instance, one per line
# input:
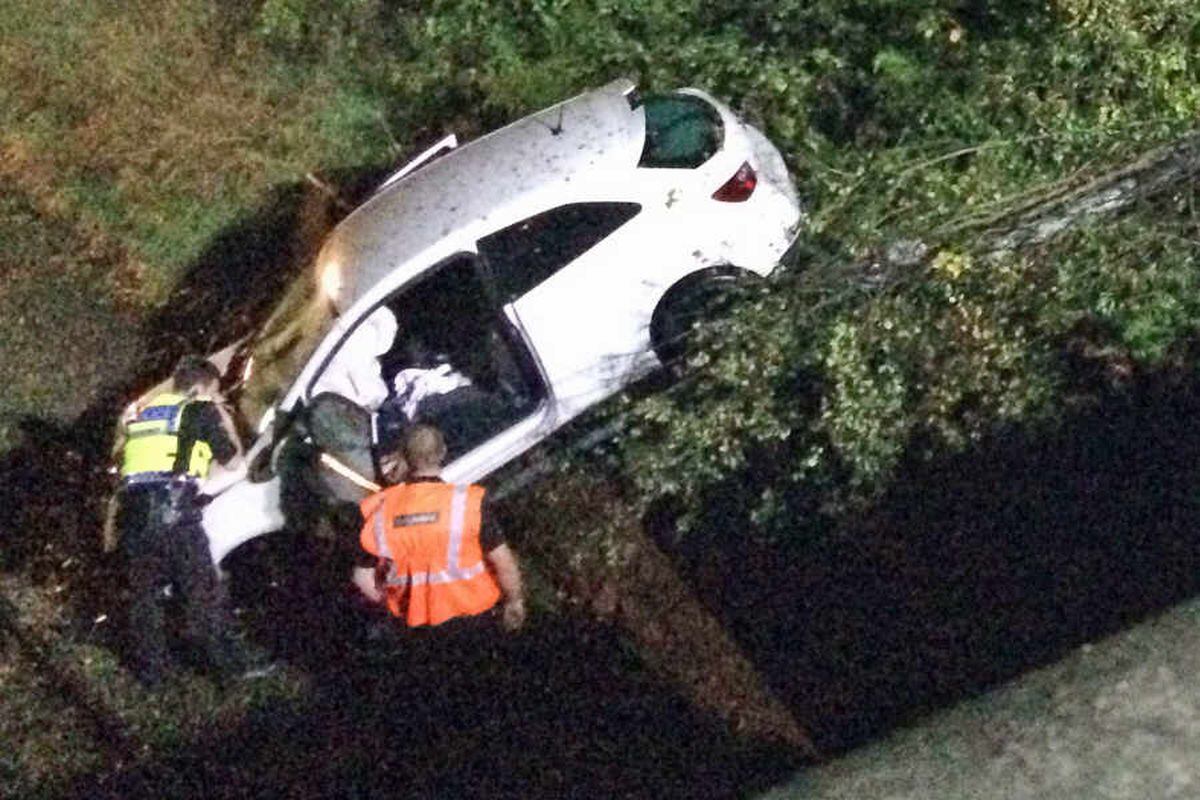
<point x="478" y="381"/>
<point x="566" y="281"/>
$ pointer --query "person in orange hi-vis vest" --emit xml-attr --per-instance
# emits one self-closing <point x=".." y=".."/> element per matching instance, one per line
<point x="436" y="554"/>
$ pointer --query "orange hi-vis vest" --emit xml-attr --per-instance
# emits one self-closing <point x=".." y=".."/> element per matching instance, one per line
<point x="426" y="535"/>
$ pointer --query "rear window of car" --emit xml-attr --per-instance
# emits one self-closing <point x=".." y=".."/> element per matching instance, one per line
<point x="682" y="131"/>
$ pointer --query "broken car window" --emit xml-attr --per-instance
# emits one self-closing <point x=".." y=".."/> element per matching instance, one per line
<point x="450" y="361"/>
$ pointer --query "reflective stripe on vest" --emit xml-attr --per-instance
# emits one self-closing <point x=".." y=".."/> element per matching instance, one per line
<point x="421" y="533"/>
<point x="381" y="545"/>
<point x="152" y="440"/>
<point x="458" y="514"/>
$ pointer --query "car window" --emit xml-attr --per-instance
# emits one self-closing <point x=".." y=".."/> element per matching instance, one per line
<point x="453" y="361"/>
<point x="523" y="255"/>
<point x="682" y="131"/>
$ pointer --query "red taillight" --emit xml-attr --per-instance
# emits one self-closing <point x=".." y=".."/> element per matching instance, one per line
<point x="738" y="188"/>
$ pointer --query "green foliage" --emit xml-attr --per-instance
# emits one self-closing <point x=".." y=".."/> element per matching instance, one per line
<point x="924" y="118"/>
<point x="863" y="410"/>
<point x="1139" y="281"/>
<point x="796" y="396"/>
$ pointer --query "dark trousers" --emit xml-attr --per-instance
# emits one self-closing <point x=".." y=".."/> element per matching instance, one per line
<point x="164" y="546"/>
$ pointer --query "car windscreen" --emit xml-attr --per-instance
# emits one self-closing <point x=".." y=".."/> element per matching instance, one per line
<point x="682" y="131"/>
<point x="283" y="345"/>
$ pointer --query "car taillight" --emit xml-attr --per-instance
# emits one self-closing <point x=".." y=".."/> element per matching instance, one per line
<point x="738" y="188"/>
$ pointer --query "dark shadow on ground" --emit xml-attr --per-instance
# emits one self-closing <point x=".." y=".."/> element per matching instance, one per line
<point x="239" y="276"/>
<point x="974" y="568"/>
<point x="54" y="483"/>
<point x="565" y="709"/>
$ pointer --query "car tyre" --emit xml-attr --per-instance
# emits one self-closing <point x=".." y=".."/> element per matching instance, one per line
<point x="700" y="296"/>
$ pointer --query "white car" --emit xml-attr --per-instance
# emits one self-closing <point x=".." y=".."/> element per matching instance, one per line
<point x="537" y="270"/>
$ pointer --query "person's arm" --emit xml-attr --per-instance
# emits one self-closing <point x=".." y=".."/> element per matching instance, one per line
<point x="508" y="574"/>
<point x="211" y="423"/>
<point x="365" y="576"/>
<point x="366" y="580"/>
<point x="118" y="445"/>
<point x="227" y="426"/>
<point x="503" y="562"/>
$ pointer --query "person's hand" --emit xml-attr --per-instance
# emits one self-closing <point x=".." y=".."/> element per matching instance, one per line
<point x="394" y="468"/>
<point x="366" y="580"/>
<point x="513" y="615"/>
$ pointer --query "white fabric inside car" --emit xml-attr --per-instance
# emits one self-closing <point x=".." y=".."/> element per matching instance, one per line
<point x="413" y="385"/>
<point x="355" y="372"/>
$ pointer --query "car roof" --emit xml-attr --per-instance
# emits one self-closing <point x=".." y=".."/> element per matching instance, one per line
<point x="590" y="134"/>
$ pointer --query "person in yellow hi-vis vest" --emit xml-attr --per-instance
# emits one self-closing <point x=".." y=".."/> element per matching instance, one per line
<point x="434" y="554"/>
<point x="166" y="448"/>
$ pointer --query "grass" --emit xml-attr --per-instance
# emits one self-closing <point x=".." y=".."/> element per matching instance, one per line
<point x="68" y="711"/>
<point x="131" y="137"/>
<point x="159" y="127"/>
<point x="64" y="333"/>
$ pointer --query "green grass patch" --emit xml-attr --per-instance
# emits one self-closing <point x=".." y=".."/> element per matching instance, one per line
<point x="64" y="338"/>
<point x="161" y="125"/>
<point x="68" y="711"/>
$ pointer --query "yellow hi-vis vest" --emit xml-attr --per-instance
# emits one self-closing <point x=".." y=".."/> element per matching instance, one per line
<point x="152" y="440"/>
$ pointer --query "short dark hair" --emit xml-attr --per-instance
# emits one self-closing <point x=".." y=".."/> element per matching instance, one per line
<point x="424" y="447"/>
<point x="191" y="371"/>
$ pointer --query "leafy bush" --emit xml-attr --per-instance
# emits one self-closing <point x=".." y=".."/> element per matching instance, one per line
<point x="797" y="396"/>
<point x="924" y="119"/>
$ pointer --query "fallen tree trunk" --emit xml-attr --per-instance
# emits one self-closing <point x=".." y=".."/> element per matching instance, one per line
<point x="1067" y="207"/>
<point x="1040" y="218"/>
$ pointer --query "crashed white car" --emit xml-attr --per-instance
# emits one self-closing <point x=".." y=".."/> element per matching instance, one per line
<point x="542" y="267"/>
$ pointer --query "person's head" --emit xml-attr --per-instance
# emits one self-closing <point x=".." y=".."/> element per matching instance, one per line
<point x="196" y="375"/>
<point x="424" y="450"/>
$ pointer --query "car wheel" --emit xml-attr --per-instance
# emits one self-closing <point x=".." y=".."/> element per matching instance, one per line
<point x="701" y="296"/>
